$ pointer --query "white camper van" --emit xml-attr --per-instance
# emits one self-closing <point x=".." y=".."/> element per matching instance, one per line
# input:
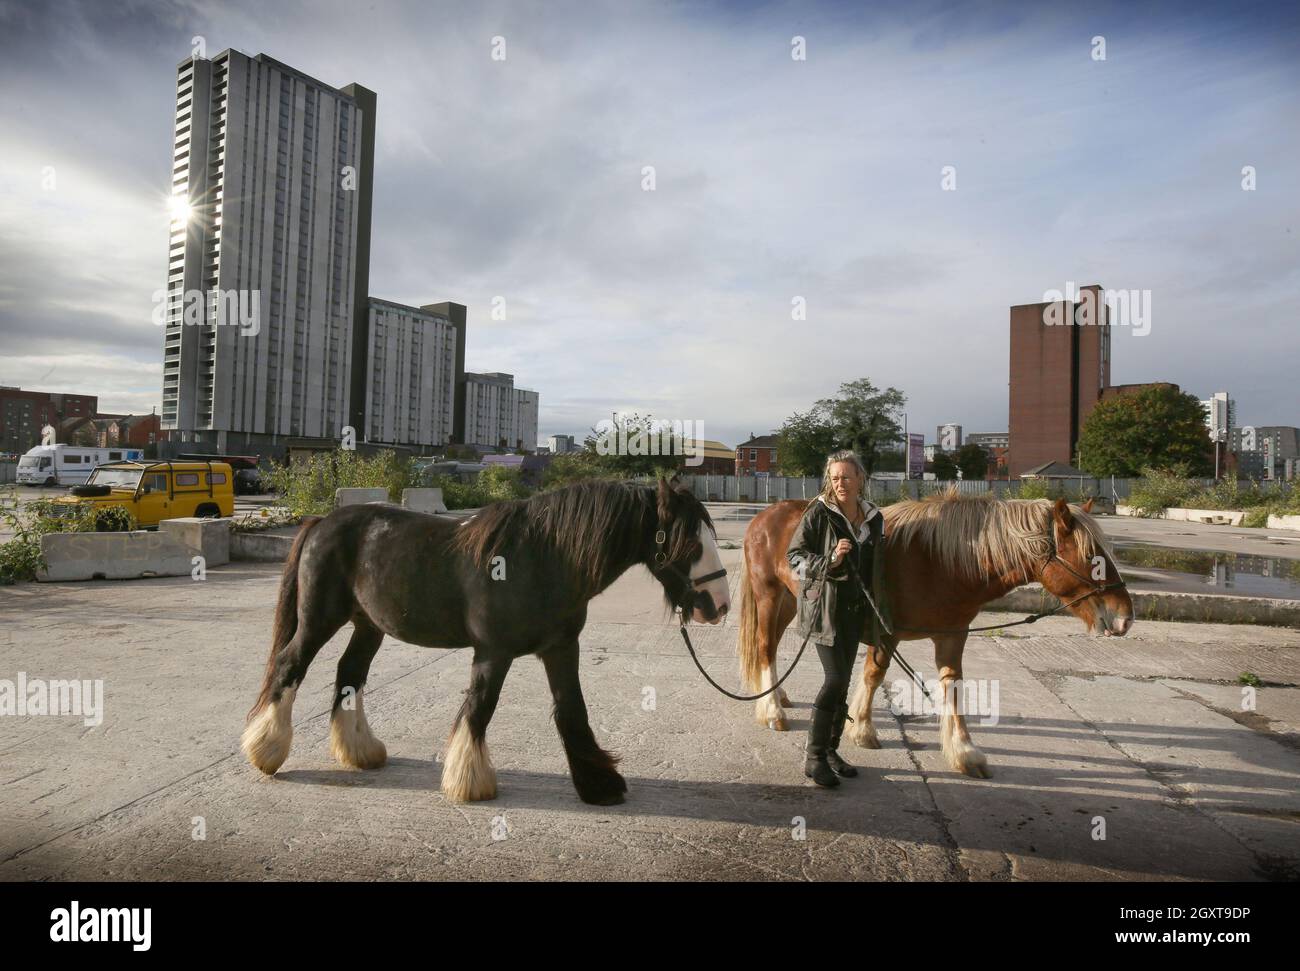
<point x="68" y="465"/>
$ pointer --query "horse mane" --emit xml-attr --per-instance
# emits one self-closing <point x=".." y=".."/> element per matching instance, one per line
<point x="982" y="536"/>
<point x="577" y="524"/>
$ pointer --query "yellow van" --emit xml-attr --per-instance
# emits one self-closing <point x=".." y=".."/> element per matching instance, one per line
<point x="154" y="491"/>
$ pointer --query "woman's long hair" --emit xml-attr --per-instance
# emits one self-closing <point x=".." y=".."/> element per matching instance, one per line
<point x="851" y="457"/>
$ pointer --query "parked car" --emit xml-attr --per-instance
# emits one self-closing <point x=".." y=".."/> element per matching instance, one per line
<point x="248" y="477"/>
<point x="154" y="491"/>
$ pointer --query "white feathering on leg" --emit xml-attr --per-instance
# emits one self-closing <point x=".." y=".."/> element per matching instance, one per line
<point x="352" y="743"/>
<point x="267" y="738"/>
<point x="467" y="772"/>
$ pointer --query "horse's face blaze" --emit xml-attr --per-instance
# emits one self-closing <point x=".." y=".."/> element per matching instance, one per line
<point x="1109" y="613"/>
<point x="690" y="534"/>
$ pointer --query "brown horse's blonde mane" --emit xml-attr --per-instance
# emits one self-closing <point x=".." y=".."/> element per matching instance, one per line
<point x="981" y="536"/>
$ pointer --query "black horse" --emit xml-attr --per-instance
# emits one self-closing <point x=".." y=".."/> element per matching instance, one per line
<point x="515" y="579"/>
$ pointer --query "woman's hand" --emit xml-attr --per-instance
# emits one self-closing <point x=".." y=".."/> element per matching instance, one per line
<point x="842" y="549"/>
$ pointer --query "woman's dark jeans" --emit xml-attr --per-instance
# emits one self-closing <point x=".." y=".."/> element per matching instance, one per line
<point x="837" y="659"/>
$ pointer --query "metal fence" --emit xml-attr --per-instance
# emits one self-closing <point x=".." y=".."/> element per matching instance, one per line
<point x="752" y="488"/>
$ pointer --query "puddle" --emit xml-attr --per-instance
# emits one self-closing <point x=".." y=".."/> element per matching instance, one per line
<point x="1245" y="575"/>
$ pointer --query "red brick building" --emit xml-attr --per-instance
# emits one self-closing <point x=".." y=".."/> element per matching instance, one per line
<point x="757" y="456"/>
<point x="1060" y="366"/>
<point x="24" y="413"/>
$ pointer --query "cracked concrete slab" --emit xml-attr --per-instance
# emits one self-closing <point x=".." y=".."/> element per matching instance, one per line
<point x="712" y="795"/>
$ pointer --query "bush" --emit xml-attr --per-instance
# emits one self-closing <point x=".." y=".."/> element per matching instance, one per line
<point x="21" y="558"/>
<point x="1051" y="489"/>
<point x="493" y="484"/>
<point x="575" y="467"/>
<point x="1161" y="489"/>
<point x="1255" y="518"/>
<point x="307" y="488"/>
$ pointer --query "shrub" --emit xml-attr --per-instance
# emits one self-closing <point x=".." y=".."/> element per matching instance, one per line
<point x="493" y="484"/>
<point x="1256" y="518"/>
<point x="1161" y="489"/>
<point x="307" y="488"/>
<point x="21" y="558"/>
<point x="1051" y="489"/>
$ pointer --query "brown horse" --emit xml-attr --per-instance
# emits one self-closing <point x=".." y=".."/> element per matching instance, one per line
<point x="945" y="557"/>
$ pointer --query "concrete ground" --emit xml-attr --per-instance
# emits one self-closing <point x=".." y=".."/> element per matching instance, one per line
<point x="1144" y="737"/>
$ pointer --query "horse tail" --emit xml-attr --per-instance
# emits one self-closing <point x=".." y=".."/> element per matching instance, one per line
<point x="286" y="612"/>
<point x="747" y="647"/>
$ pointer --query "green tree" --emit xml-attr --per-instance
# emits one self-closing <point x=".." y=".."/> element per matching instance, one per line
<point x="943" y="467"/>
<point x="1157" y="427"/>
<point x="803" y="443"/>
<point x="865" y="418"/>
<point x="636" y="434"/>
<point x="973" y="461"/>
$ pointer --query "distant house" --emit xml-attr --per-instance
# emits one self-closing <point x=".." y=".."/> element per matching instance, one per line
<point x="717" y="459"/>
<point x="757" y="456"/>
<point x="1054" y="470"/>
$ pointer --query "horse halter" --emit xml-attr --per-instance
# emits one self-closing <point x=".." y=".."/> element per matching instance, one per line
<point x="1055" y="556"/>
<point x="689" y="583"/>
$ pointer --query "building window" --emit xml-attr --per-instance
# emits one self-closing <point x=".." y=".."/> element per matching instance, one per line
<point x="753" y="454"/>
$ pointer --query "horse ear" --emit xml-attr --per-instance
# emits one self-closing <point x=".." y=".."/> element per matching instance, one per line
<point x="665" y="497"/>
<point x="1087" y="506"/>
<point x="1061" y="512"/>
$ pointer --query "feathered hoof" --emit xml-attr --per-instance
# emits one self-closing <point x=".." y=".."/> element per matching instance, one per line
<point x="968" y="760"/>
<point x="269" y="735"/>
<point x="352" y="743"/>
<point x="467" y="772"/>
<point x="863" y="734"/>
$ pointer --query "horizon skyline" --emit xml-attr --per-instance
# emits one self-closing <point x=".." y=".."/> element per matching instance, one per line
<point x="710" y="229"/>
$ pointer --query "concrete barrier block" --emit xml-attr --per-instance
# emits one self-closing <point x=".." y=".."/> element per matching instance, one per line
<point x="423" y="500"/>
<point x="113" y="556"/>
<point x="1284" y="522"/>
<point x="261" y="547"/>
<point x="210" y="538"/>
<point x="350" y="497"/>
<point x="1200" y="608"/>
<point x="1211" y="517"/>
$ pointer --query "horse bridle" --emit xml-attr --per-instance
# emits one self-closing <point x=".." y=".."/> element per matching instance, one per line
<point x="689" y="583"/>
<point x="1055" y="556"/>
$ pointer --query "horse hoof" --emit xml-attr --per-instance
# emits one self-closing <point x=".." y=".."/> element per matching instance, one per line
<point x="608" y="799"/>
<point x="352" y="743"/>
<point x="603" y="791"/>
<point x="864" y="736"/>
<point x="968" y="760"/>
<point x="776" y="724"/>
<point x="783" y="698"/>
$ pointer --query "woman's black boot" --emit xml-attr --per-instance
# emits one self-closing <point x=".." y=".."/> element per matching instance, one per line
<point x="837" y="764"/>
<point x="815" y="765"/>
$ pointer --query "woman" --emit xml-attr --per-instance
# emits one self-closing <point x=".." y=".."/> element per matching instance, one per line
<point x="832" y="552"/>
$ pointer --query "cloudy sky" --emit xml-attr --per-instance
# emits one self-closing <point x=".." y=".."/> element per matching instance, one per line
<point x="776" y="178"/>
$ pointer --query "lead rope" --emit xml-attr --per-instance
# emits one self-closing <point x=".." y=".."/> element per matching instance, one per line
<point x="686" y="637"/>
